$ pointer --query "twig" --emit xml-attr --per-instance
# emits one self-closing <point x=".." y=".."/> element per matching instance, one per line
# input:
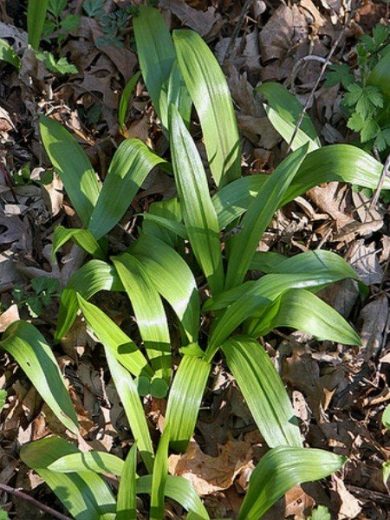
<point x="384" y="174"/>
<point x="310" y="57"/>
<point x="237" y="28"/>
<point x="34" y="502"/>
<point x="310" y="99"/>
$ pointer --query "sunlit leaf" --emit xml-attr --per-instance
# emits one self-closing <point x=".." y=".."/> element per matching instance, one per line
<point x="131" y="163"/>
<point x="263" y="391"/>
<point x="284" y="111"/>
<point x="36" y="15"/>
<point x="208" y="89"/>
<point x="281" y="469"/>
<point x="84" y="493"/>
<point x="259" y="214"/>
<point x="195" y="202"/>
<point x="71" y="162"/>
<point x="184" y="400"/>
<point x="29" y="348"/>
<point x="126" y="507"/>
<point x="149" y="311"/>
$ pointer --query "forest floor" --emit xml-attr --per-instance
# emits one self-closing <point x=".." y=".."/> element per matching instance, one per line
<point x="339" y="393"/>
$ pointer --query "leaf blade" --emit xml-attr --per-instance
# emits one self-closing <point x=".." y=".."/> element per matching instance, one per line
<point x="31" y="351"/>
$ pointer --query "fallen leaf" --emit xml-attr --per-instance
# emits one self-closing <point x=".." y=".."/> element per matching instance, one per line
<point x="364" y="259"/>
<point x="350" y="506"/>
<point x="210" y="474"/>
<point x="206" y="23"/>
<point x="8" y="317"/>
<point x="374" y="315"/>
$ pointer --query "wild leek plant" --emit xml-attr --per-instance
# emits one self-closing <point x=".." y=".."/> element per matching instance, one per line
<point x="192" y="256"/>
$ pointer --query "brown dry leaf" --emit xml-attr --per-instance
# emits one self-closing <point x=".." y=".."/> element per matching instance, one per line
<point x="330" y="200"/>
<point x="286" y="27"/>
<point x="350" y="506"/>
<point x="364" y="259"/>
<point x="53" y="195"/>
<point x="374" y="316"/>
<point x="297" y="502"/>
<point x="206" y="23"/>
<point x="210" y="474"/>
<point x="8" y="317"/>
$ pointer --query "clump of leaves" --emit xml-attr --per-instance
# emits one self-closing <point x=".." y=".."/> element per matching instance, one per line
<point x="186" y="272"/>
<point x="39" y="297"/>
<point x="367" y="97"/>
<point x="113" y="24"/>
<point x="56" y="24"/>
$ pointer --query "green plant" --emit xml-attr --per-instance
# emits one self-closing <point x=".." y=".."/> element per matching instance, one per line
<point x="367" y="93"/>
<point x="57" y="24"/>
<point x="43" y="290"/>
<point x="186" y="254"/>
<point x="113" y="24"/>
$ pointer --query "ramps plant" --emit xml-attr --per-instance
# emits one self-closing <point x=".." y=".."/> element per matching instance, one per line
<point x="191" y="259"/>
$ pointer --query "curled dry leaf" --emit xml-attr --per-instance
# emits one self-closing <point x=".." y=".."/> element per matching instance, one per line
<point x="206" y="23"/>
<point x="349" y="505"/>
<point x="364" y="259"/>
<point x="210" y="474"/>
<point x="8" y="317"/>
<point x="374" y="316"/>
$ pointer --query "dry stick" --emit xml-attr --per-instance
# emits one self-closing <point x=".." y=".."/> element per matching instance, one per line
<point x="309" y="100"/>
<point x="384" y="174"/>
<point x="34" y="502"/>
<point x="237" y="29"/>
<point x="304" y="59"/>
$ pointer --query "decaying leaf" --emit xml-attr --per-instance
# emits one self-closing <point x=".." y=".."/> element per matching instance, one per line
<point x="210" y="474"/>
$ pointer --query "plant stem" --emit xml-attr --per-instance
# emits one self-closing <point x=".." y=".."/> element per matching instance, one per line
<point x="34" y="502"/>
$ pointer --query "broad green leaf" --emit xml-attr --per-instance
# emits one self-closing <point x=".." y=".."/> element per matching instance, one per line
<point x="169" y="210"/>
<point x="304" y="311"/>
<point x="159" y="477"/>
<point x="156" y="55"/>
<point x="29" y="348"/>
<point x="82" y="237"/>
<point x="84" y="493"/>
<point x="126" y="507"/>
<point x="198" y="212"/>
<point x="380" y="75"/>
<point x="176" y="488"/>
<point x="96" y="461"/>
<point x="180" y="490"/>
<point x="114" y="339"/>
<point x="173" y="279"/>
<point x="233" y="200"/>
<point x="125" y="100"/>
<point x="281" y="469"/>
<point x="260" y="212"/>
<point x="72" y="164"/>
<point x="323" y="266"/>
<point x="263" y="391"/>
<point x="209" y="91"/>
<point x="8" y="54"/>
<point x="36" y="15"/>
<point x="178" y="94"/>
<point x="149" y="311"/>
<point x="266" y="261"/>
<point x="283" y="111"/>
<point x="129" y="167"/>
<point x="338" y="162"/>
<point x="132" y="404"/>
<point x="172" y="225"/>
<point x="92" y="277"/>
<point x="252" y="299"/>
<point x="184" y="400"/>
